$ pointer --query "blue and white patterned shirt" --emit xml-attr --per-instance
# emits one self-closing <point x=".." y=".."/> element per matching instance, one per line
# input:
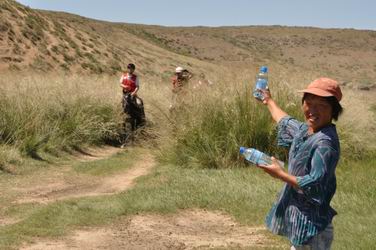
<point x="303" y="212"/>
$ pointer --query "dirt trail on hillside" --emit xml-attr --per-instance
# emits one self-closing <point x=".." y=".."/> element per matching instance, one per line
<point x="189" y="229"/>
<point x="61" y="190"/>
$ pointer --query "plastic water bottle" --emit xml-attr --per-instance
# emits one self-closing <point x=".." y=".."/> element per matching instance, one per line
<point x="261" y="82"/>
<point x="257" y="157"/>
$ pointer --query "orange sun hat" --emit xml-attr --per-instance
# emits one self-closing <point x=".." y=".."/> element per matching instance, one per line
<point x="324" y="87"/>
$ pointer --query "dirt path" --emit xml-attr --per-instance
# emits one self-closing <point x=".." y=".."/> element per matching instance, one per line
<point x="189" y="229"/>
<point x="62" y="183"/>
<point x="109" y="185"/>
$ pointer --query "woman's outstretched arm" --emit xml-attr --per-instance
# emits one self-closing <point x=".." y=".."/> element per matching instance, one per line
<point x="276" y="112"/>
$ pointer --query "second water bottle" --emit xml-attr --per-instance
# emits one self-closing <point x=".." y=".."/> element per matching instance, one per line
<point x="257" y="157"/>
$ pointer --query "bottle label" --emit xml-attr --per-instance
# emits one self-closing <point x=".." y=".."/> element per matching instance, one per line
<point x="261" y="83"/>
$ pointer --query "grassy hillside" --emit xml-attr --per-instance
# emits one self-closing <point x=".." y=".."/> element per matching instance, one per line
<point x="33" y="40"/>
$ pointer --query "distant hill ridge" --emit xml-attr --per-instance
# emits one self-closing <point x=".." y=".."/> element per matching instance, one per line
<point x="47" y="41"/>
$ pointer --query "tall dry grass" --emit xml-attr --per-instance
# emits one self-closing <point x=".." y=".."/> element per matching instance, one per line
<point x="215" y="121"/>
<point x="50" y="113"/>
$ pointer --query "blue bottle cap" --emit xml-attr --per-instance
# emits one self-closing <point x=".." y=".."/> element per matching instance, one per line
<point x="241" y="150"/>
<point x="264" y="69"/>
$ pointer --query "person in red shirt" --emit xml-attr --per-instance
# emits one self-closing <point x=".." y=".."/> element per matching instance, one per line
<point x="133" y="105"/>
<point x="129" y="81"/>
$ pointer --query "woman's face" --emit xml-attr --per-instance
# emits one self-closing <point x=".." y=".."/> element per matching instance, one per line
<point x="317" y="112"/>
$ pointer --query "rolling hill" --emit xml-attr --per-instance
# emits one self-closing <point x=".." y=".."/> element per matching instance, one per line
<point x="35" y="40"/>
<point x="55" y="41"/>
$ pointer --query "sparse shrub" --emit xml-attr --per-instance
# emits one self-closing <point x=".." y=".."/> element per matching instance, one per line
<point x="68" y="59"/>
<point x="65" y="66"/>
<point x="55" y="49"/>
<point x="4" y="26"/>
<point x="94" y="68"/>
<point x="11" y="37"/>
<point x="43" y="49"/>
<point x="115" y="67"/>
<point x="78" y="52"/>
<point x="14" y="67"/>
<point x="72" y="44"/>
<point x="40" y="64"/>
<point x="79" y="36"/>
<point x="90" y="56"/>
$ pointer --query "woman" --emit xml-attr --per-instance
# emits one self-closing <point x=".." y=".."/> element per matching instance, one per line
<point x="133" y="105"/>
<point x="129" y="81"/>
<point x="302" y="211"/>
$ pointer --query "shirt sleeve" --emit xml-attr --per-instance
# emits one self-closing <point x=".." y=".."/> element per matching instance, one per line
<point x="121" y="79"/>
<point x="288" y="128"/>
<point x="323" y="163"/>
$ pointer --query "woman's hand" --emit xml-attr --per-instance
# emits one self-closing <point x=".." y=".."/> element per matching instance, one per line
<point x="275" y="170"/>
<point x="267" y="96"/>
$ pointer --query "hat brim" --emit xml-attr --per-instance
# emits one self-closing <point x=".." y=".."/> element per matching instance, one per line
<point x="316" y="91"/>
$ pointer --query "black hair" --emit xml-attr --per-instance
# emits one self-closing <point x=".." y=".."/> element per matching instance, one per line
<point x="131" y="66"/>
<point x="336" y="106"/>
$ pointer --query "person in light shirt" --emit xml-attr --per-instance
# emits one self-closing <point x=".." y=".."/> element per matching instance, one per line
<point x="180" y="87"/>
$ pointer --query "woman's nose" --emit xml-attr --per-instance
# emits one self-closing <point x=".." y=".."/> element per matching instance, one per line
<point x="313" y="109"/>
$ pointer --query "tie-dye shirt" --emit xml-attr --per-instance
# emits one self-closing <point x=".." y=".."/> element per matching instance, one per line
<point x="301" y="213"/>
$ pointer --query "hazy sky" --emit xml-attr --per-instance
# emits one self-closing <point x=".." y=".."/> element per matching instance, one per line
<point x="358" y="14"/>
